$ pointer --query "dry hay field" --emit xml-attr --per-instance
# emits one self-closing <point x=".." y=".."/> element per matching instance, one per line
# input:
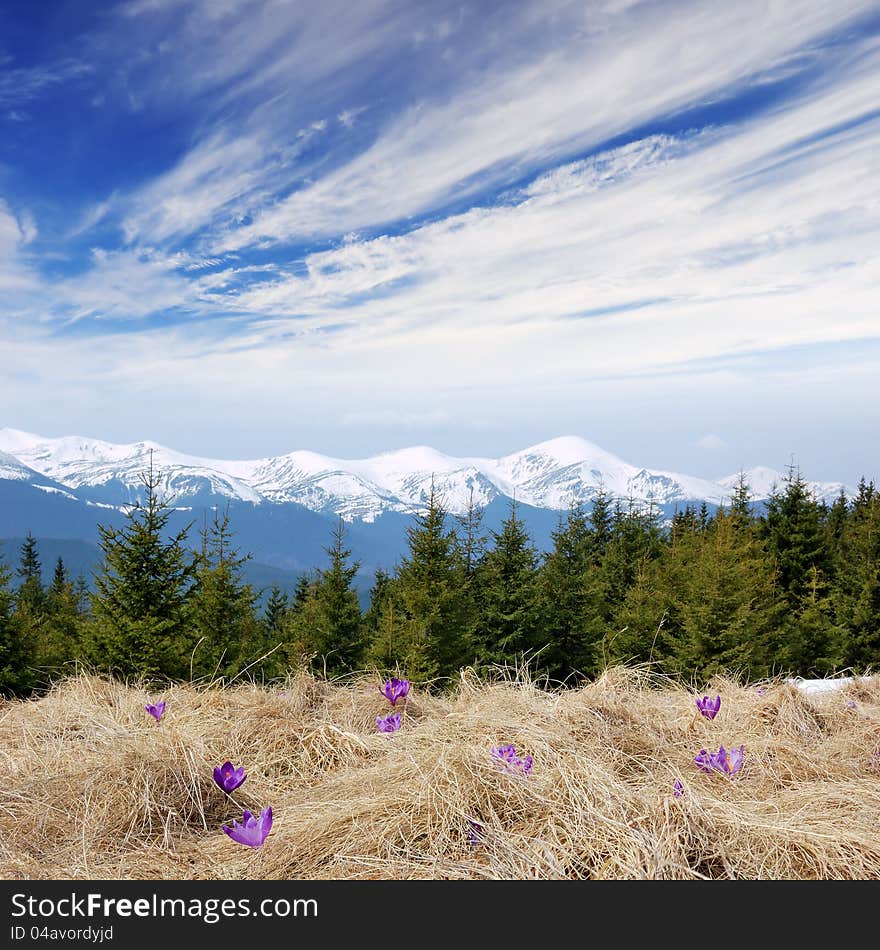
<point x="94" y="788"/>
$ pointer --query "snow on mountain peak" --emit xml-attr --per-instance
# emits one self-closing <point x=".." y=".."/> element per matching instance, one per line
<point x="552" y="474"/>
<point x="762" y="482"/>
<point x="568" y="450"/>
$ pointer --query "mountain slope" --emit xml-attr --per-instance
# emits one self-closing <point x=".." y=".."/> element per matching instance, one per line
<point x="551" y="475"/>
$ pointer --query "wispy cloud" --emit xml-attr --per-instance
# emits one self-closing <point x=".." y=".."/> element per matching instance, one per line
<point x="358" y="202"/>
<point x="19" y="85"/>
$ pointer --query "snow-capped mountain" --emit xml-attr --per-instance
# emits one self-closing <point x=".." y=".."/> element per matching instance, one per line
<point x="761" y="482"/>
<point x="550" y="475"/>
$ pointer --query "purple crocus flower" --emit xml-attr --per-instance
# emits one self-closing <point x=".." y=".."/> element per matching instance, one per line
<point x="677" y="789"/>
<point x="252" y="831"/>
<point x="395" y="689"/>
<point x="389" y="723"/>
<point x="761" y="690"/>
<point x="709" y="707"/>
<point x="228" y="777"/>
<point x="475" y="832"/>
<point x="155" y="710"/>
<point x="512" y="762"/>
<point x="507" y="753"/>
<point x="721" y="761"/>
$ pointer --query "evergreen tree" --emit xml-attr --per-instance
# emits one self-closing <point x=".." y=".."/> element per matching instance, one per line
<point x="302" y="593"/>
<point x="601" y="524"/>
<point x="379" y="621"/>
<point x="566" y="607"/>
<point x="31" y="597"/>
<point x="431" y="629"/>
<point x="741" y="505"/>
<point x="793" y="531"/>
<point x="60" y="579"/>
<point x="856" y="591"/>
<point x="470" y="546"/>
<point x="795" y="537"/>
<point x="222" y="608"/>
<point x="329" y="627"/>
<point x="59" y="641"/>
<point x="143" y="592"/>
<point x="470" y="537"/>
<point x="275" y="611"/>
<point x="705" y="605"/>
<point x="507" y="623"/>
<point x="635" y="540"/>
<point x="16" y="644"/>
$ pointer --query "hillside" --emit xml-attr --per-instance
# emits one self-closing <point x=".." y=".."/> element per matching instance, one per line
<point x="95" y="788"/>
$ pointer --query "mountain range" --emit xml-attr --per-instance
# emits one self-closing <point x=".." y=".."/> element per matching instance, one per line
<point x="284" y="507"/>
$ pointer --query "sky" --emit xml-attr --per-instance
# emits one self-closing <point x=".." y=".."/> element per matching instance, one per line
<point x="244" y="227"/>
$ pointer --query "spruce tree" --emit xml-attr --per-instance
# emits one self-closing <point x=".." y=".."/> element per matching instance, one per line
<point x="330" y="627"/>
<point x="16" y="644"/>
<point x="794" y="533"/>
<point x="601" y="524"/>
<point x="856" y="590"/>
<point x="470" y="546"/>
<point x="60" y="643"/>
<point x="566" y="609"/>
<point x="30" y="597"/>
<point x="60" y="579"/>
<point x="143" y="592"/>
<point x="507" y="623"/>
<point x="741" y="505"/>
<point x="721" y="611"/>
<point x="432" y="623"/>
<point x="705" y="605"/>
<point x="275" y="611"/>
<point x="379" y="622"/>
<point x="302" y="592"/>
<point x="221" y="612"/>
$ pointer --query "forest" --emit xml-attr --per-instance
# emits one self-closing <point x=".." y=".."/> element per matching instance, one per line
<point x="788" y="586"/>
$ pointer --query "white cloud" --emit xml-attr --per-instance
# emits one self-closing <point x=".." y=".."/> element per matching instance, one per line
<point x="712" y="442"/>
<point x="347" y="117"/>
<point x="655" y="263"/>
<point x="558" y="102"/>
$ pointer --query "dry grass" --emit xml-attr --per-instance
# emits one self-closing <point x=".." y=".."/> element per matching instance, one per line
<point x="92" y="787"/>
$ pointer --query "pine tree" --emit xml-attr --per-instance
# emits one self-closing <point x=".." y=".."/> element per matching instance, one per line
<point x="856" y="590"/>
<point x="793" y="530"/>
<point x="16" y="644"/>
<point x="635" y="540"/>
<point x="470" y="537"/>
<point x="795" y="538"/>
<point x="741" y="505"/>
<point x="330" y="627"/>
<point x="60" y="579"/>
<point x="431" y="626"/>
<point x="379" y="621"/>
<point x="31" y="597"/>
<point x="507" y="622"/>
<point x="59" y="642"/>
<point x="143" y="592"/>
<point x="302" y="592"/>
<point x="566" y="609"/>
<point x="470" y="547"/>
<point x="221" y="612"/>
<point x="721" y="611"/>
<point x="705" y="605"/>
<point x="275" y="611"/>
<point x="601" y="524"/>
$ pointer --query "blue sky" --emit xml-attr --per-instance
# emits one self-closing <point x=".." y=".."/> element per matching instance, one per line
<point x="242" y="227"/>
